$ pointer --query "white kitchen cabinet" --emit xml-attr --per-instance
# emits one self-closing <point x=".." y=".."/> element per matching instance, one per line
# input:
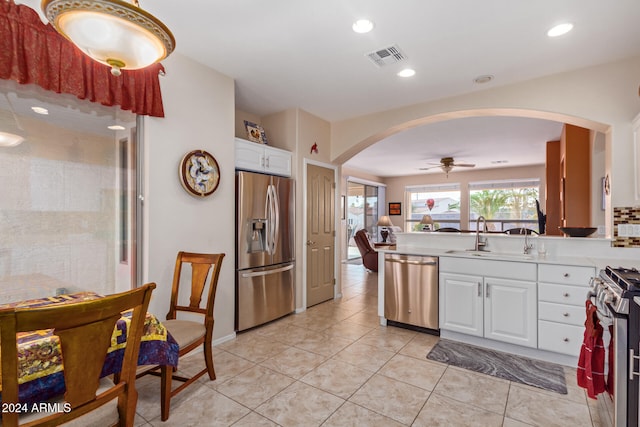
<point x="562" y="291"/>
<point x="252" y="156"/>
<point x="462" y="303"/>
<point x="510" y="311"/>
<point x="499" y="308"/>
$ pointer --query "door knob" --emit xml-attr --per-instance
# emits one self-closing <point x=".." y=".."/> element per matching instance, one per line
<point x="309" y="243"/>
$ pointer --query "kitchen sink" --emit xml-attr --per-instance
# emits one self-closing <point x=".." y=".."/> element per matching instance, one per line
<point x="491" y="255"/>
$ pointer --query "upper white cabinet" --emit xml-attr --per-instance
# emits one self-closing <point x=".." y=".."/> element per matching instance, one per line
<point x="256" y="157"/>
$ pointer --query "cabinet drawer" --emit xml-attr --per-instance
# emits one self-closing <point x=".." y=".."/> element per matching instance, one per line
<point x="565" y="274"/>
<point x="569" y="314"/>
<point x="562" y="294"/>
<point x="560" y="338"/>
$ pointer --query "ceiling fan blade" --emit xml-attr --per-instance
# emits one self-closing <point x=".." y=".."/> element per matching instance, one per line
<point x="464" y="165"/>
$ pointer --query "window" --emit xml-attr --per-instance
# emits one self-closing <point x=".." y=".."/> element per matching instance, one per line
<point x="362" y="213"/>
<point x="504" y="204"/>
<point x="441" y="201"/>
<point x="67" y="199"/>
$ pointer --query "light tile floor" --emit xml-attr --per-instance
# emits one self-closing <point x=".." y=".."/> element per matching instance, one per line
<point x="333" y="365"/>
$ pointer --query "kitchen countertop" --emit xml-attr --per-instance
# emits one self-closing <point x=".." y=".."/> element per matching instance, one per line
<point x="597" y="262"/>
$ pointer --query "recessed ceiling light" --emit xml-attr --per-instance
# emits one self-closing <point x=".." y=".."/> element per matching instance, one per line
<point x="362" y="26"/>
<point x="116" y="127"/>
<point x="407" y="72"/>
<point x="560" y="29"/>
<point x="499" y="162"/>
<point x="483" y="79"/>
<point x="40" y="110"/>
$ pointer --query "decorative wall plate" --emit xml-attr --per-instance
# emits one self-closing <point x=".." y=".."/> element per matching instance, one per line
<point x="199" y="173"/>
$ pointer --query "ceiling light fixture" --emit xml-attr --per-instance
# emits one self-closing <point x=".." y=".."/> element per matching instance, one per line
<point x="483" y="79"/>
<point x="11" y="134"/>
<point x="40" y="110"/>
<point x="362" y="26"/>
<point x="116" y="127"/>
<point x="407" y="72"/>
<point x="117" y="33"/>
<point x="560" y="29"/>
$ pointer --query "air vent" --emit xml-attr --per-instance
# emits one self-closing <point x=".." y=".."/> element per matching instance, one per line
<point x="386" y="56"/>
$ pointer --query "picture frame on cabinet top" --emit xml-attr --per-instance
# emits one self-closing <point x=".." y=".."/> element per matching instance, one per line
<point x="255" y="133"/>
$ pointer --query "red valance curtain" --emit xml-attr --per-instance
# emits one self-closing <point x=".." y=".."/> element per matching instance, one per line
<point x="32" y="52"/>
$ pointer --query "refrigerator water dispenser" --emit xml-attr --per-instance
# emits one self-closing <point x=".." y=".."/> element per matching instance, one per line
<point x="257" y="235"/>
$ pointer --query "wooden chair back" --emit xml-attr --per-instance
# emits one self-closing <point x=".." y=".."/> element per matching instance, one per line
<point x="201" y="266"/>
<point x="85" y="331"/>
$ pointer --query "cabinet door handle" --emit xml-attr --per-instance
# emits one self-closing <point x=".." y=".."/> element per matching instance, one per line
<point x="566" y="295"/>
<point x="487" y="291"/>
<point x="566" y="340"/>
<point x="479" y="289"/>
<point x="566" y="274"/>
<point x="565" y="314"/>
<point x="267" y="162"/>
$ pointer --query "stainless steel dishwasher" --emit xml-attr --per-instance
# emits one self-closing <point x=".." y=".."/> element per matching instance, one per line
<point x="411" y="290"/>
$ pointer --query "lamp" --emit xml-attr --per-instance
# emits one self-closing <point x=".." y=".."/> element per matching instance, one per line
<point x="427" y="222"/>
<point x="385" y="222"/>
<point x="11" y="134"/>
<point x="117" y="33"/>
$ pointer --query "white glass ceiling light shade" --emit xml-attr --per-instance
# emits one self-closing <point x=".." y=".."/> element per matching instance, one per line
<point x="116" y="33"/>
<point x="9" y="139"/>
<point x="11" y="134"/>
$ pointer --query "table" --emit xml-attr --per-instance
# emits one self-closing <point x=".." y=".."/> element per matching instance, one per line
<point x="380" y="245"/>
<point x="39" y="354"/>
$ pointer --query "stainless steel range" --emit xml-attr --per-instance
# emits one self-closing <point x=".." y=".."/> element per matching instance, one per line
<point x="615" y="289"/>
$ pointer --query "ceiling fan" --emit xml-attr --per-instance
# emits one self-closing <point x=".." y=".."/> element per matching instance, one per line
<point x="447" y="163"/>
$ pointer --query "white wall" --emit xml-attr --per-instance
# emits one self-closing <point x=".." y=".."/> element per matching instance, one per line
<point x="199" y="114"/>
<point x="603" y="98"/>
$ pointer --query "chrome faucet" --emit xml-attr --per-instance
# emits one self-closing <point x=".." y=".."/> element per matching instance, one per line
<point x="527" y="246"/>
<point x="481" y="242"/>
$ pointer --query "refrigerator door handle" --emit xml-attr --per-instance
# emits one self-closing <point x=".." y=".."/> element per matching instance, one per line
<point x="267" y="272"/>
<point x="268" y="208"/>
<point x="276" y="219"/>
<point x="273" y="218"/>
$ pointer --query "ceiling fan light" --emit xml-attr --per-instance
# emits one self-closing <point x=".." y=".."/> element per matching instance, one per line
<point x="113" y="32"/>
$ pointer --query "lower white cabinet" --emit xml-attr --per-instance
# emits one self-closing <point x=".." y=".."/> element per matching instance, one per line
<point x="462" y="303"/>
<point x="501" y="309"/>
<point x="510" y="311"/>
<point x="562" y="291"/>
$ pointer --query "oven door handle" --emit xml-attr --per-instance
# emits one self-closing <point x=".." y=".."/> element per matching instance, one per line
<point x="632" y="357"/>
<point x="613" y="313"/>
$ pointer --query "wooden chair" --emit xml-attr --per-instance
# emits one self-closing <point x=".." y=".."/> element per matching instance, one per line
<point x="190" y="334"/>
<point x="85" y="330"/>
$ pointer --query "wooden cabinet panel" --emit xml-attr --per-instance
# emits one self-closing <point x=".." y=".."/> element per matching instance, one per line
<point x="575" y="160"/>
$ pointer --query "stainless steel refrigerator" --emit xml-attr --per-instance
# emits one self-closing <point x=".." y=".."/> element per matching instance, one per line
<point x="265" y="248"/>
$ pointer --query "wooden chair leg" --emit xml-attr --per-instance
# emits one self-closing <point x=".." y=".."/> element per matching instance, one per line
<point x="165" y="391"/>
<point x="208" y="359"/>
